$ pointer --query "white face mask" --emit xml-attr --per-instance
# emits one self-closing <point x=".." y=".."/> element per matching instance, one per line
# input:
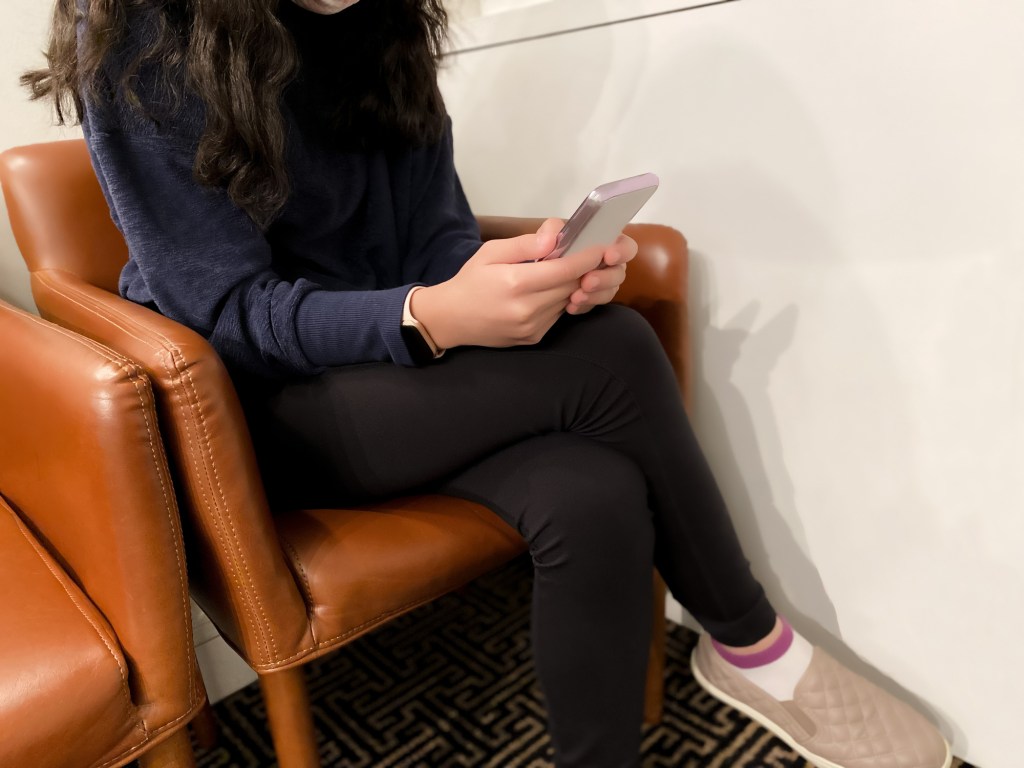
<point x="325" y="7"/>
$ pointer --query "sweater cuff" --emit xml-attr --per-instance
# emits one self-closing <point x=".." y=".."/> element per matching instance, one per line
<point x="347" y="327"/>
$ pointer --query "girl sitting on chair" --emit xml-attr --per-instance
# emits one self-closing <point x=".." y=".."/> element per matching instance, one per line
<point x="282" y="173"/>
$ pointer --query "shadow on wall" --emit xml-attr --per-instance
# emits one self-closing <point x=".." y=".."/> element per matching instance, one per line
<point x="748" y="176"/>
<point x="734" y="361"/>
<point x="748" y="457"/>
<point x="745" y="146"/>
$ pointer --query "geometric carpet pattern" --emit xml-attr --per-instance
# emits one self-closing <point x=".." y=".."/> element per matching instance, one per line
<point x="452" y="684"/>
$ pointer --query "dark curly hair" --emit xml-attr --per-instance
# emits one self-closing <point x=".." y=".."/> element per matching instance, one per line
<point x="238" y="58"/>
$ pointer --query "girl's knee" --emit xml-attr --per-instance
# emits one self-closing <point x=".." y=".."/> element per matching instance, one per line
<point x="617" y="338"/>
<point x="593" y="513"/>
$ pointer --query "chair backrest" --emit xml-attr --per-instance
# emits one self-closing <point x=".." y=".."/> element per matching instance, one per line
<point x="82" y="462"/>
<point x="238" y="573"/>
<point x="43" y="178"/>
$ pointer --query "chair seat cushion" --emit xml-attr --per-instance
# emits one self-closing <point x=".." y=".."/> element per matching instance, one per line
<point x="359" y="567"/>
<point x="63" y="681"/>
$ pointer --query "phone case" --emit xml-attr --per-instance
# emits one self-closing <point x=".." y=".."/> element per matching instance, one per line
<point x="601" y="218"/>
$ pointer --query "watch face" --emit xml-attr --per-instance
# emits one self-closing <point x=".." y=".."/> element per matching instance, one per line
<point x="419" y="350"/>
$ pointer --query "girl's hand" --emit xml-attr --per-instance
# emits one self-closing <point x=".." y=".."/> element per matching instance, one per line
<point x="600" y="285"/>
<point x="501" y="298"/>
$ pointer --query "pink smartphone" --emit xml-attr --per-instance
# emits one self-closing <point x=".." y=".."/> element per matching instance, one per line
<point x="601" y="218"/>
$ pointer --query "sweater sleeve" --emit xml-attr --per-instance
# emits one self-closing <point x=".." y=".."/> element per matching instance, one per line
<point x="200" y="260"/>
<point x="443" y="232"/>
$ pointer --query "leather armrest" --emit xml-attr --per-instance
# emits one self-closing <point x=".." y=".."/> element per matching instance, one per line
<point x="82" y="463"/>
<point x="238" y="573"/>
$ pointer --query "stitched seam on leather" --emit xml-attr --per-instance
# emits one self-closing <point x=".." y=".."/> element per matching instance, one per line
<point x="169" y="347"/>
<point x="133" y="372"/>
<point x="149" y="738"/>
<point x="60" y="288"/>
<point x="307" y="589"/>
<point x="307" y="598"/>
<point x="157" y="347"/>
<point x="129" y="706"/>
<point x="219" y="526"/>
<point x="254" y="595"/>
<point x="108" y="354"/>
<point x="173" y="523"/>
<point x="263" y="630"/>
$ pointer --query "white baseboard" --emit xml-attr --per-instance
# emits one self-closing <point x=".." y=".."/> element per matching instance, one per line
<point x="223" y="670"/>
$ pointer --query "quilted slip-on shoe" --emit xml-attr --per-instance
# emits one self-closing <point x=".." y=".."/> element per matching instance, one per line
<point x="836" y="718"/>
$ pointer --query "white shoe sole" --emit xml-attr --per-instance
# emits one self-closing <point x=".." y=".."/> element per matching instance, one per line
<point x="757" y="717"/>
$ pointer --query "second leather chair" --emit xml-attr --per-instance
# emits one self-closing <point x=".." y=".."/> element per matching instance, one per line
<point x="97" y="666"/>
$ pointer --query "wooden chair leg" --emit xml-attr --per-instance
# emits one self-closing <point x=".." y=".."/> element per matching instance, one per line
<point x="173" y="752"/>
<point x="291" y="719"/>
<point x="655" y="694"/>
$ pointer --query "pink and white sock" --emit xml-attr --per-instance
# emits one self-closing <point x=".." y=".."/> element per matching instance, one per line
<point x="778" y="668"/>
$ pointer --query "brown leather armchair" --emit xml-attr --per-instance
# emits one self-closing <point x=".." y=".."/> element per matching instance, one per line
<point x="97" y="666"/>
<point x="287" y="586"/>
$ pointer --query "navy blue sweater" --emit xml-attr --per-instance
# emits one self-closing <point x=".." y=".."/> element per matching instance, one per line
<point x="325" y="284"/>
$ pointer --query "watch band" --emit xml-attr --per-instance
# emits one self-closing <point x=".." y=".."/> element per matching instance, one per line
<point x="421" y="346"/>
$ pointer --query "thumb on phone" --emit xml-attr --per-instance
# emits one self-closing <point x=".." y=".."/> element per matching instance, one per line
<point x="547" y="236"/>
<point x="524" y="248"/>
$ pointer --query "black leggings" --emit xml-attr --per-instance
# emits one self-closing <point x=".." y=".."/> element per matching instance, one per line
<point x="582" y="444"/>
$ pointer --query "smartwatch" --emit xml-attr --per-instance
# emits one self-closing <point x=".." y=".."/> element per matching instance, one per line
<point x="422" y="348"/>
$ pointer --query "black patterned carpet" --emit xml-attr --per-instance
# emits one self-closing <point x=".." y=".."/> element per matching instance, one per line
<point x="452" y="684"/>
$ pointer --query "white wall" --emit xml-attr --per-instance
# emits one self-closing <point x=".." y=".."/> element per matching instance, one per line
<point x="850" y="176"/>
